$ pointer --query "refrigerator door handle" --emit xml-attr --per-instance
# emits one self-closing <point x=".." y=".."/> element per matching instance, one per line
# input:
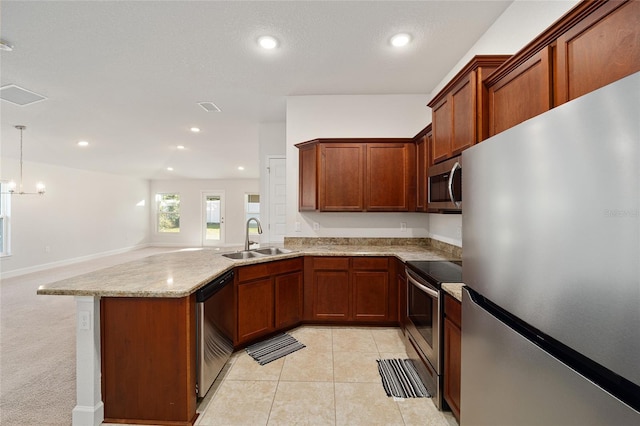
<point x="454" y="169"/>
<point x="427" y="290"/>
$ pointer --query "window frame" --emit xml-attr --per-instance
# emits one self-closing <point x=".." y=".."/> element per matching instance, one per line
<point x="253" y="230"/>
<point x="159" y="212"/>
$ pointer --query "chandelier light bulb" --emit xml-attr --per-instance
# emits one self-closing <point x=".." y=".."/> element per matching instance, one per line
<point x="40" y="188"/>
<point x="12" y="186"/>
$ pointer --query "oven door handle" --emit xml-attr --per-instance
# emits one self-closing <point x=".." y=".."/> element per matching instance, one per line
<point x="431" y="292"/>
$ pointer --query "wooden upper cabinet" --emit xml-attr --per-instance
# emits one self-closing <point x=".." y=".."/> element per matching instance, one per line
<point x="459" y="111"/>
<point x="524" y="92"/>
<point x="357" y="175"/>
<point x="341" y="177"/>
<point x="423" y="141"/>
<point x="601" y="48"/>
<point x="390" y="179"/>
<point x="592" y="45"/>
<point x="308" y="178"/>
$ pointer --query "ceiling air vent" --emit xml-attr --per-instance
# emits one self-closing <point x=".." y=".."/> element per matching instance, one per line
<point x="209" y="106"/>
<point x="19" y="96"/>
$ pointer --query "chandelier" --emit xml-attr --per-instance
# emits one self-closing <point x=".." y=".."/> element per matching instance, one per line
<point x="12" y="186"/>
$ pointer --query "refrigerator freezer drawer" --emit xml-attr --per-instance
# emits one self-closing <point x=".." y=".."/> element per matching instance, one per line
<point x="508" y="380"/>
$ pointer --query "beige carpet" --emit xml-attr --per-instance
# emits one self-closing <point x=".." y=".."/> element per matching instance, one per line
<point x="37" y="345"/>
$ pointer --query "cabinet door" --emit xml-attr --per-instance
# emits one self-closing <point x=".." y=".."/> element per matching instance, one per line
<point x="452" y="356"/>
<point x="602" y="48"/>
<point x="463" y="114"/>
<point x="307" y="185"/>
<point x="331" y="295"/>
<point x="390" y="177"/>
<point x="423" y="161"/>
<point x="522" y="94"/>
<point x="341" y="177"/>
<point x="255" y="309"/>
<point x="442" y="130"/>
<point x="288" y="299"/>
<point x="370" y="295"/>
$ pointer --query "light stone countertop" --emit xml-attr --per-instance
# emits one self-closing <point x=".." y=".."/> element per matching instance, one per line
<point x="454" y="289"/>
<point x="181" y="272"/>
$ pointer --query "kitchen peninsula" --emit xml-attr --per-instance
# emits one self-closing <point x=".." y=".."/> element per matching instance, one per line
<point x="154" y="297"/>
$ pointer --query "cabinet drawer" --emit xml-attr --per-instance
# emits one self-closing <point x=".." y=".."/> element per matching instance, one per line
<point x="286" y="266"/>
<point x="453" y="310"/>
<point x="370" y="263"/>
<point x="247" y="273"/>
<point x="341" y="263"/>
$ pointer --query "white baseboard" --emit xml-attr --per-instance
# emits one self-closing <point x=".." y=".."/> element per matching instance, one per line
<point x="66" y="262"/>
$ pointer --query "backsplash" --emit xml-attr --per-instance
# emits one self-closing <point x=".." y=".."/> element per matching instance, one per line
<point x="292" y="242"/>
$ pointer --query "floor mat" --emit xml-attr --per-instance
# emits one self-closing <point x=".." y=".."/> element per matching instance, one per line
<point x="400" y="379"/>
<point x="274" y="348"/>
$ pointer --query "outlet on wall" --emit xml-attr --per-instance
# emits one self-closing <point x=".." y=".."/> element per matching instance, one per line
<point x="316" y="226"/>
<point x="459" y="232"/>
<point x="403" y="226"/>
<point x="84" y="320"/>
<point x="47" y="249"/>
<point x="296" y="227"/>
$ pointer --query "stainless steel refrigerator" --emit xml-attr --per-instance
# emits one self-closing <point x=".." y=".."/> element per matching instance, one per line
<point x="551" y="255"/>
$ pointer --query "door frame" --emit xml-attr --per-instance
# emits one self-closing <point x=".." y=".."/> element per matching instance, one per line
<point x="203" y="213"/>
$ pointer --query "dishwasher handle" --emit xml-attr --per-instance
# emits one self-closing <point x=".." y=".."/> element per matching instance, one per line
<point x="213" y="287"/>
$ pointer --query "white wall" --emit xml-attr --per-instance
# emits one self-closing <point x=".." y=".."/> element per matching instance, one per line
<point x="191" y="204"/>
<point x="311" y="117"/>
<point x="82" y="215"/>
<point x="523" y="21"/>
<point x="272" y="139"/>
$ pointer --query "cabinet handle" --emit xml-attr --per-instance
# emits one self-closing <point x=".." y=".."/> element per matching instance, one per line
<point x="455" y="167"/>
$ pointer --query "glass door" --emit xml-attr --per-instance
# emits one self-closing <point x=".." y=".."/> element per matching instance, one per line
<point x="213" y="218"/>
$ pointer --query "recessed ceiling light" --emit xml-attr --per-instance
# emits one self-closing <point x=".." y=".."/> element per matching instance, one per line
<point x="400" y="40"/>
<point x="83" y="143"/>
<point x="240" y="168"/>
<point x="170" y="169"/>
<point x="180" y="146"/>
<point x="195" y="129"/>
<point x="268" y="42"/>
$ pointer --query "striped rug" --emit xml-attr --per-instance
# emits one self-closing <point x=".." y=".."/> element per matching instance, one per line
<point x="276" y="347"/>
<point x="400" y="379"/>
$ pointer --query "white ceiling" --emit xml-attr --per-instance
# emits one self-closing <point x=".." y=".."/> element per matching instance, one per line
<point x="127" y="75"/>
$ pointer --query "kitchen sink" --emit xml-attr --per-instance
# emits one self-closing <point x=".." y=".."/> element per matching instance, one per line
<point x="243" y="255"/>
<point x="263" y="252"/>
<point x="272" y="251"/>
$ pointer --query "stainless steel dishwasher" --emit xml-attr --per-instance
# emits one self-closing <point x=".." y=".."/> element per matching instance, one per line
<point x="214" y="325"/>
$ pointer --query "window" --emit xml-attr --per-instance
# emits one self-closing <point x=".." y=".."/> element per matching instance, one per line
<point x="168" y="212"/>
<point x="252" y="209"/>
<point x="5" y="213"/>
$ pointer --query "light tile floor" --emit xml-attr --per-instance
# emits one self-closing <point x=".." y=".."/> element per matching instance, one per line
<point x="333" y="381"/>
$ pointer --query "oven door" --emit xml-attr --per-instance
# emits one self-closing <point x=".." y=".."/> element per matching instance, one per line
<point x="423" y="314"/>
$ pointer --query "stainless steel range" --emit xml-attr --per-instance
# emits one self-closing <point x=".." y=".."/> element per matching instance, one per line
<point x="424" y="320"/>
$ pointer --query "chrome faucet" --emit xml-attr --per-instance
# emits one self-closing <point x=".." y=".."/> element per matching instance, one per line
<point x="247" y="243"/>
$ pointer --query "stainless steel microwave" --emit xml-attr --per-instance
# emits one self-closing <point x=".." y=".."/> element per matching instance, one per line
<point x="445" y="186"/>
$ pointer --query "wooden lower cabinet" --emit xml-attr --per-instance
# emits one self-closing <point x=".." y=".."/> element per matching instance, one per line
<point x="255" y="309"/>
<point x="269" y="298"/>
<point x="452" y="353"/>
<point x="358" y="289"/>
<point x="288" y="299"/>
<point x="148" y="351"/>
